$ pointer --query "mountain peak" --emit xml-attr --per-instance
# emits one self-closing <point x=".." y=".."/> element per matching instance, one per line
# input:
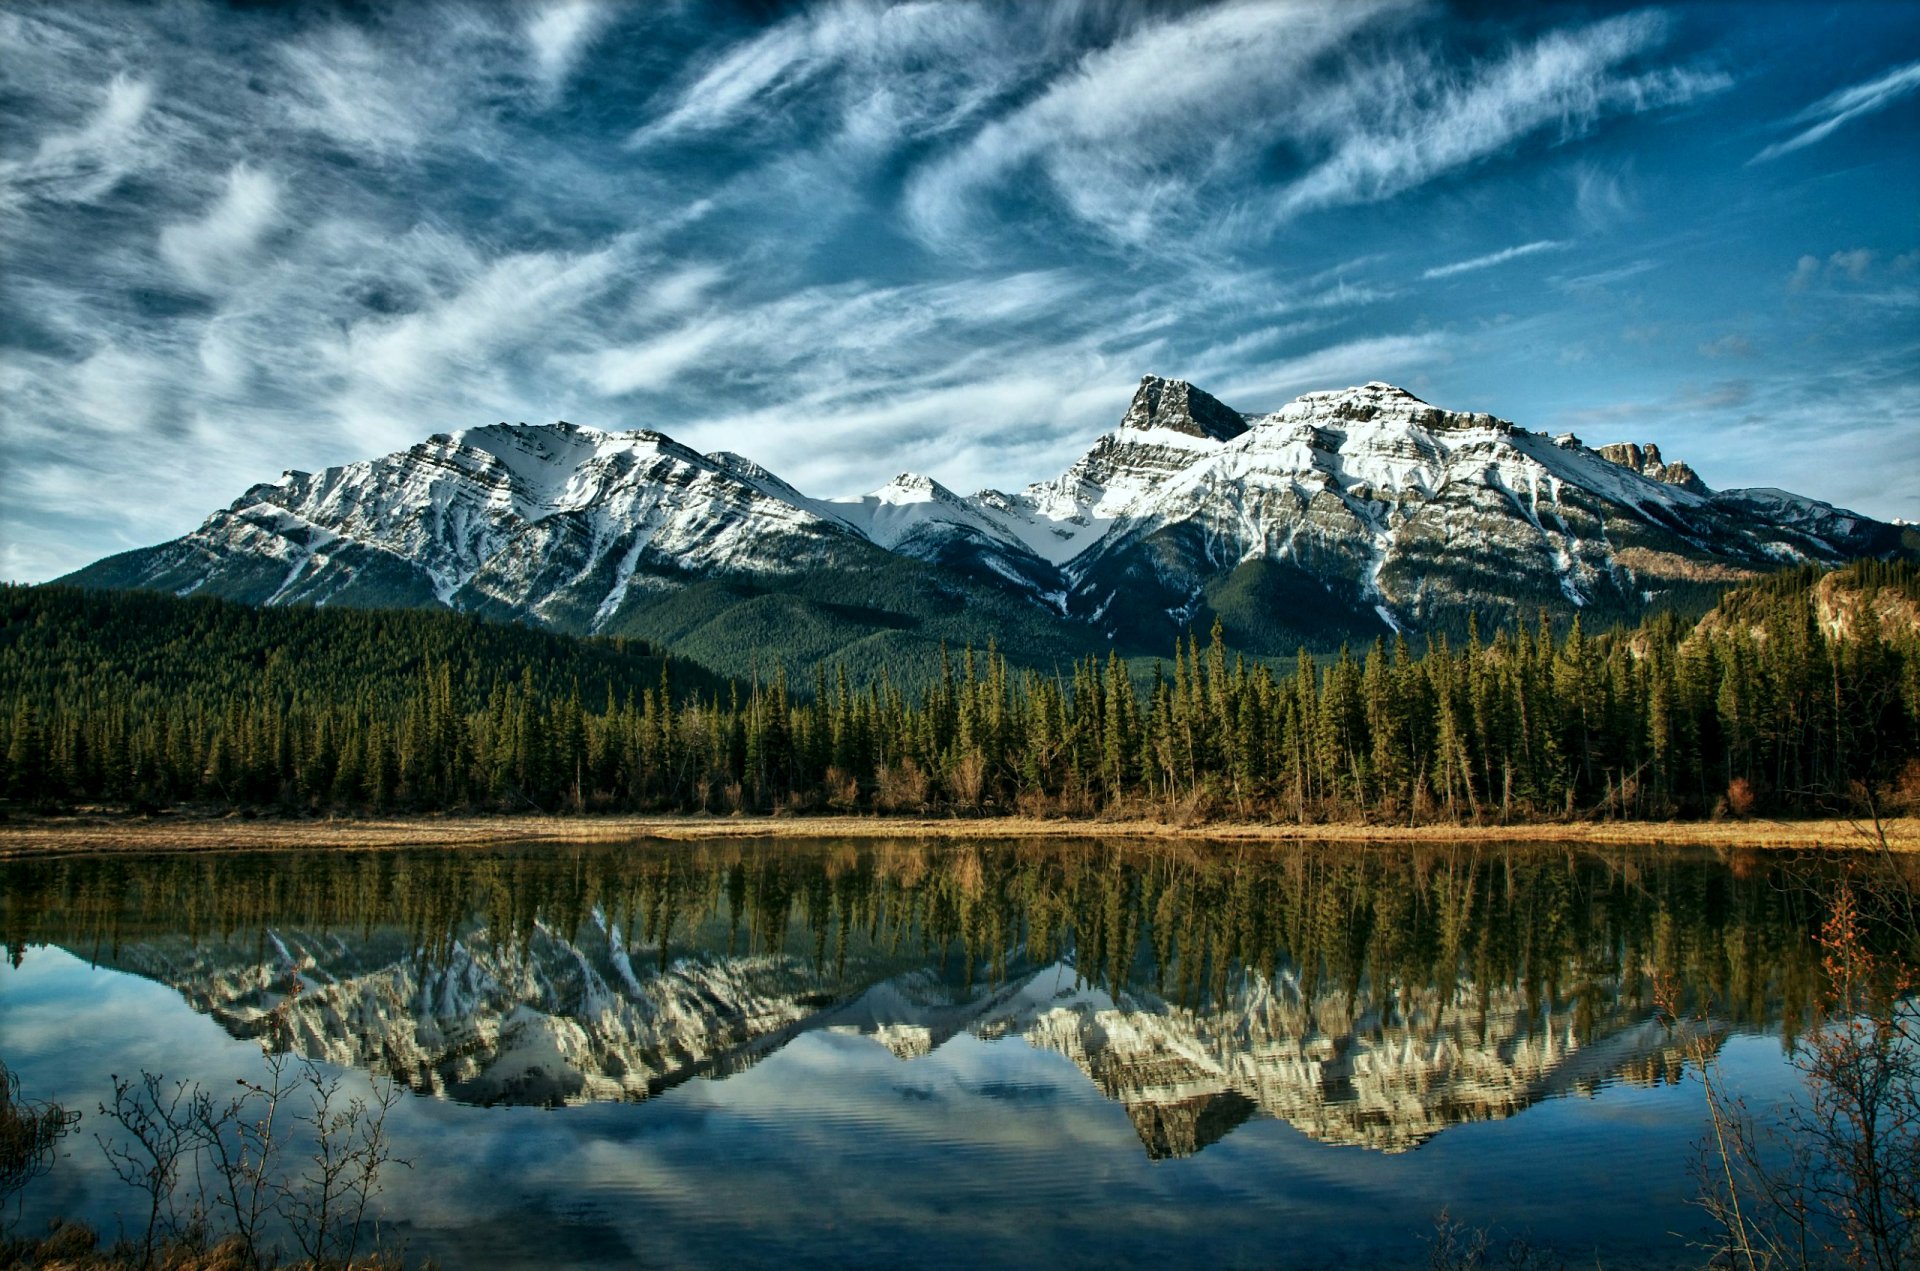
<point x="1372" y="395"/>
<point x="912" y="487"/>
<point x="1645" y="460"/>
<point x="1379" y="400"/>
<point x="1178" y="406"/>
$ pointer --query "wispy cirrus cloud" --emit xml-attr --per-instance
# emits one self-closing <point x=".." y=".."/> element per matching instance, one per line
<point x="1491" y="259"/>
<point x="83" y="164"/>
<point x="879" y="72"/>
<point x="1140" y="136"/>
<point x="1410" y="120"/>
<point x="1128" y="136"/>
<point x="848" y="237"/>
<point x="559" y="32"/>
<point x="214" y="251"/>
<point x="1844" y="106"/>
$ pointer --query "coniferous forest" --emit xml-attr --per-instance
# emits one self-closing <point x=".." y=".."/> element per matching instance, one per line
<point x="1798" y="694"/>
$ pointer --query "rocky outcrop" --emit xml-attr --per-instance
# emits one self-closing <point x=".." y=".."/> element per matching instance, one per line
<point x="1646" y="461"/>
<point x="1177" y="406"/>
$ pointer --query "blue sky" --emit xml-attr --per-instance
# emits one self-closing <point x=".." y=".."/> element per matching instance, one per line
<point x="851" y="239"/>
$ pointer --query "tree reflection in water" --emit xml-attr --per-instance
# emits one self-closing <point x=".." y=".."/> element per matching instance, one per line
<point x="1367" y="996"/>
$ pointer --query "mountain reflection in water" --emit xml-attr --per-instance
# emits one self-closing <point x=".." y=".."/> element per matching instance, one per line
<point x="1365" y="996"/>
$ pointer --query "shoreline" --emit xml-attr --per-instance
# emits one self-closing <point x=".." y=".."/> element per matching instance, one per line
<point x="106" y="832"/>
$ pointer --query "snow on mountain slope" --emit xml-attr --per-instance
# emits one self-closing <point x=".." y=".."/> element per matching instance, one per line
<point x="1342" y="515"/>
<point x="557" y="522"/>
<point x="1169" y="426"/>
<point x="1380" y="500"/>
<point x="911" y="509"/>
<point x="916" y="516"/>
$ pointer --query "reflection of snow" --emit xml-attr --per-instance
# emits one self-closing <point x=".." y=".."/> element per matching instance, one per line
<point x="571" y="1022"/>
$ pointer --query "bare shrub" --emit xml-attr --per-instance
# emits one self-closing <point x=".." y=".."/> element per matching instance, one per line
<point x="1038" y="805"/>
<point x="1197" y="807"/>
<point x="216" y="1175"/>
<point x="967" y="782"/>
<point x="1454" y="1246"/>
<point x="843" y="790"/>
<point x="1906" y="788"/>
<point x="901" y="787"/>
<point x="1833" y="1179"/>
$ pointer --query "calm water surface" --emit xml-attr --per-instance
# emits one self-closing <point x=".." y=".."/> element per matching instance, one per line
<point x="1047" y="1054"/>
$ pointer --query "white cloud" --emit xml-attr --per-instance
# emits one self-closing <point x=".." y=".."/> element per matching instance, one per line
<point x="1604" y="278"/>
<point x="365" y="95"/>
<point x="215" y="251"/>
<point x="1120" y="136"/>
<point x="1838" y="108"/>
<point x="1394" y="128"/>
<point x="679" y="290"/>
<point x="1132" y="140"/>
<point x="829" y="337"/>
<point x="84" y="164"/>
<point x="649" y="364"/>
<point x="886" y="70"/>
<point x="447" y="353"/>
<point x="1492" y="258"/>
<point x="1603" y="196"/>
<point x="1851" y="265"/>
<point x="558" y="33"/>
<point x="119" y="391"/>
<point x="1388" y="357"/>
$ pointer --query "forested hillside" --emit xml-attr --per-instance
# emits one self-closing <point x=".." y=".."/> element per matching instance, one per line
<point x="1797" y="695"/>
<point x="142" y="696"/>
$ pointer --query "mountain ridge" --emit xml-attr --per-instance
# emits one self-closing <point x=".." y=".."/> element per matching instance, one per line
<point x="1346" y="514"/>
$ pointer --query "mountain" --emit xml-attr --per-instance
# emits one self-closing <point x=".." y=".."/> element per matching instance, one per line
<point x="620" y="534"/>
<point x="1344" y="515"/>
<point x="1347" y="513"/>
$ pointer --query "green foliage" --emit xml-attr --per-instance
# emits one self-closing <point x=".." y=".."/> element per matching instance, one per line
<point x="141" y="697"/>
<point x="890" y="615"/>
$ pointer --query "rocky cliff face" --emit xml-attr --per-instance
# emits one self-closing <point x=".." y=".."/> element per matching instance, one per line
<point x="1342" y="515"/>
<point x="1646" y="461"/>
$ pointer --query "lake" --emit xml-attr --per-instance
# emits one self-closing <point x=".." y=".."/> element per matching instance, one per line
<point x="1052" y="1053"/>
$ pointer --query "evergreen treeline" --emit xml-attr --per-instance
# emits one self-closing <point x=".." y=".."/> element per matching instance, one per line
<point x="139" y="696"/>
<point x="1758" y="707"/>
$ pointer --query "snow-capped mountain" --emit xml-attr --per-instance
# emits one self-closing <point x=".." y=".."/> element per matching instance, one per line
<point x="1368" y="509"/>
<point x="556" y="523"/>
<point x="1344" y="514"/>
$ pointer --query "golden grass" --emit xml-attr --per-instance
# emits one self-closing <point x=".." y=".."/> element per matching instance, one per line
<point x="187" y="833"/>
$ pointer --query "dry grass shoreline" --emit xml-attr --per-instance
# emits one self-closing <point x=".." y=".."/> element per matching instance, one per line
<point x="179" y="832"/>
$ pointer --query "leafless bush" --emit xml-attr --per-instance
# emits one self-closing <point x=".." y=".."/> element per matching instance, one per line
<point x="1832" y="1180"/>
<point x="843" y="790"/>
<point x="219" y="1173"/>
<point x="901" y="787"/>
<point x="1454" y="1246"/>
<point x="967" y="782"/>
